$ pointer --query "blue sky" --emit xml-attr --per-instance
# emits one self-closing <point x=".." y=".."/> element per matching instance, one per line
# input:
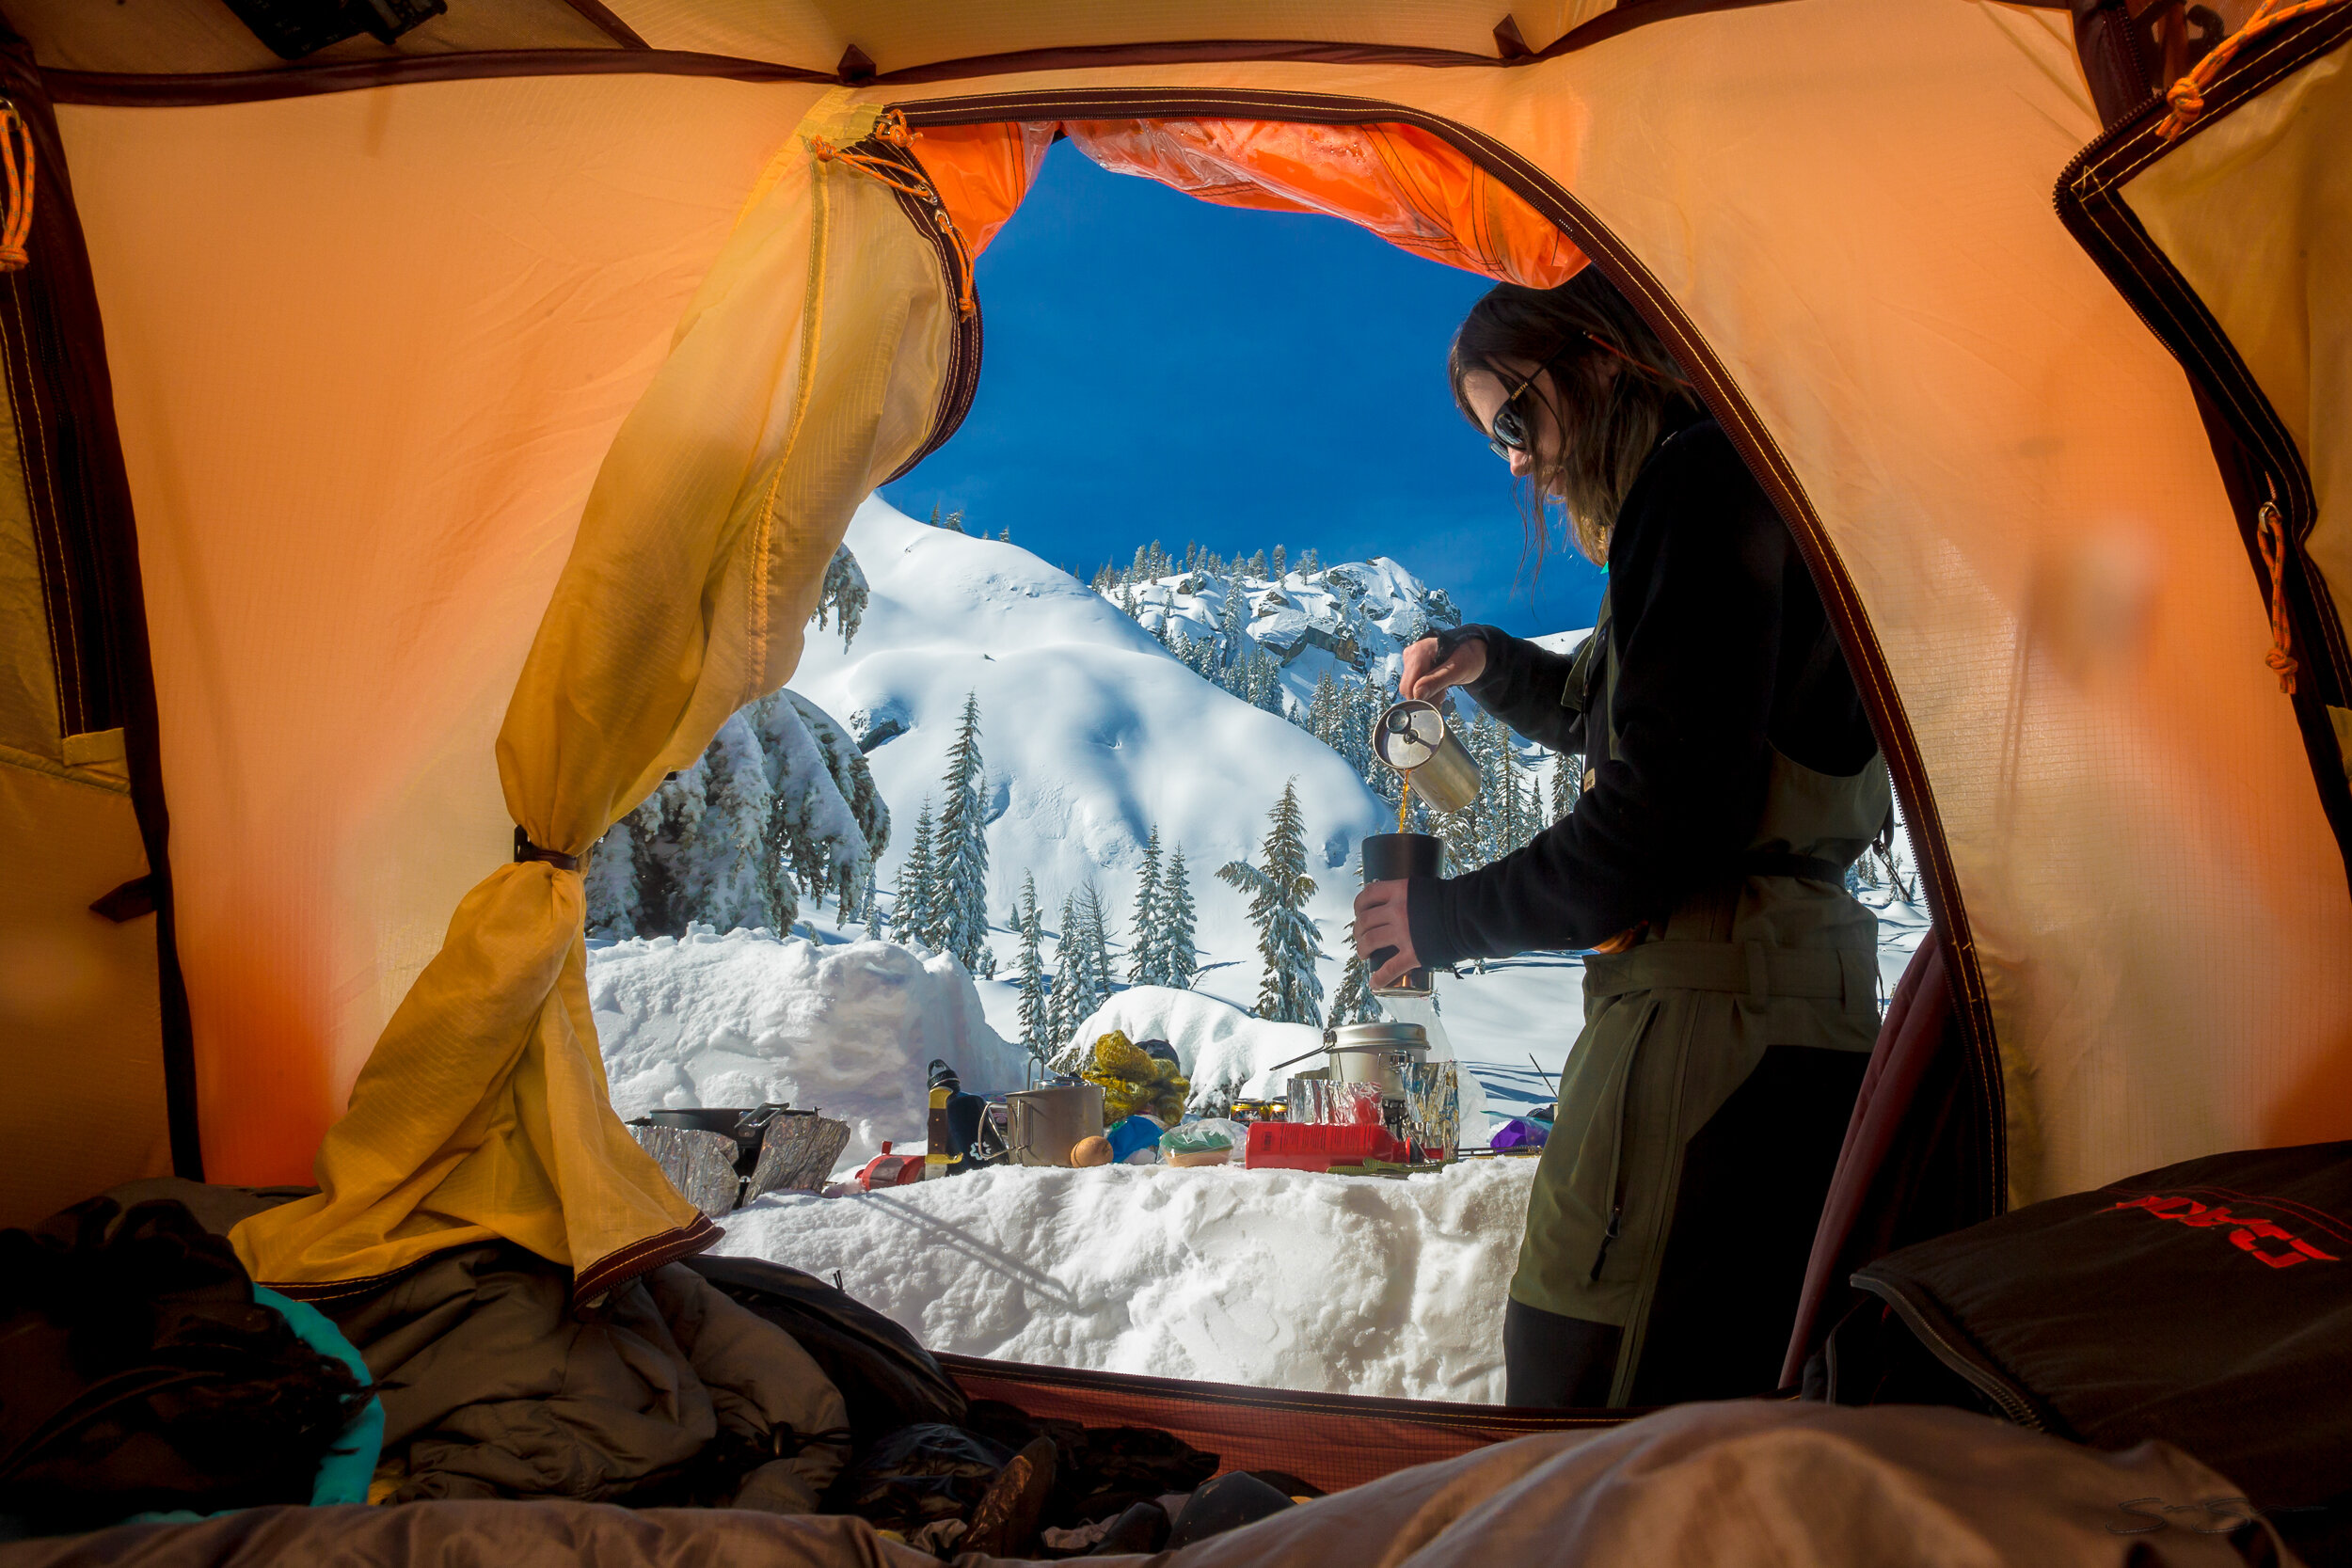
<point x="1158" y="368"/>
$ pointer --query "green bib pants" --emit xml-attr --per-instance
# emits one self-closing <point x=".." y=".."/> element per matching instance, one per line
<point x="1730" y="1035"/>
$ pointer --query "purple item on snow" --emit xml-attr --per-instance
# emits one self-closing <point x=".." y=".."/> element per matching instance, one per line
<point x="1520" y="1133"/>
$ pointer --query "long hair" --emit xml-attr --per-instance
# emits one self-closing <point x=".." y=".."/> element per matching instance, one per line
<point x="1609" y="420"/>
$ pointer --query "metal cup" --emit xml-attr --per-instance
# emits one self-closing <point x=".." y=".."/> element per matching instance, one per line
<point x="1387" y="858"/>
<point x="1414" y="738"/>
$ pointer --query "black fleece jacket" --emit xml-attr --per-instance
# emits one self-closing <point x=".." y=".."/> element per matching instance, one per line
<point x="1726" y="654"/>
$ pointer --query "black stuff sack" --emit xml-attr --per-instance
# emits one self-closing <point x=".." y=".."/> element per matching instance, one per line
<point x="2207" y="1305"/>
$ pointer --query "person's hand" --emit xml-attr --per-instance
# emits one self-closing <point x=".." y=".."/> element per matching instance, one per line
<point x="1382" y="926"/>
<point x="1424" y="677"/>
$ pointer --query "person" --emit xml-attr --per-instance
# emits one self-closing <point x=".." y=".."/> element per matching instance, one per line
<point x="1730" y="778"/>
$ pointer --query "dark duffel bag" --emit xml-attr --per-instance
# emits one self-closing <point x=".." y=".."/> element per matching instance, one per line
<point x="2208" y="1304"/>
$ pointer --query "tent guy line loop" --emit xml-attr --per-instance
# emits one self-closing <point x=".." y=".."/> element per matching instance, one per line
<point x="891" y="130"/>
<point x="2187" y="95"/>
<point x="2271" y="534"/>
<point x="16" y="156"/>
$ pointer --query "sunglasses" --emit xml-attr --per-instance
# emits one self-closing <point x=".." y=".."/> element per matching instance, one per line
<point x="1508" y="432"/>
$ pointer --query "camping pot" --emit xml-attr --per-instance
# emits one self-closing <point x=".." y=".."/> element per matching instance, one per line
<point x="1047" y="1122"/>
<point x="1413" y="739"/>
<point x="1377" y="1054"/>
<point x="1387" y="858"/>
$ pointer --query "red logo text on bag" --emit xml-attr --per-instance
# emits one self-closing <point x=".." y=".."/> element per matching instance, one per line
<point x="2248" y="1234"/>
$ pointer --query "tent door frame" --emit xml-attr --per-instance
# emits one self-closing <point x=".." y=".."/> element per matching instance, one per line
<point x="1724" y="398"/>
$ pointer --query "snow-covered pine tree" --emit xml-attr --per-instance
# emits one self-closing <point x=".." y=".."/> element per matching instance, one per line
<point x="843" y="594"/>
<point x="1310" y="563"/>
<point x="1062" y="1012"/>
<point x="1509" y="833"/>
<point x="723" y="864"/>
<point x="1321" y="717"/>
<point x="1179" y="961"/>
<point x="1270" y="692"/>
<point x="1143" y="942"/>
<point x="960" y="853"/>
<point x="778" y="805"/>
<point x="1281" y="564"/>
<point x="914" y="916"/>
<point x="829" y="819"/>
<point x="1232" y="622"/>
<point x="1037" y="1012"/>
<point x="1094" y="947"/>
<point x="1458" y="832"/>
<point x="1288" y="943"/>
<point x="1082" y="964"/>
<point x="1567" y="783"/>
<point x="1353" y="1002"/>
<point x="1257" y="566"/>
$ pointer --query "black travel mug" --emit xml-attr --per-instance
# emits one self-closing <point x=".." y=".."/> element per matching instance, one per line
<point x="1388" y="857"/>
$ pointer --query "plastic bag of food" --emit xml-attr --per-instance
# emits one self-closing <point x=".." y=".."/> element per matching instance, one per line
<point x="1203" y="1137"/>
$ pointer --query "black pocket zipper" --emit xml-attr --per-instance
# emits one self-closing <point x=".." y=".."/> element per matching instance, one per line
<point x="1616" y="1152"/>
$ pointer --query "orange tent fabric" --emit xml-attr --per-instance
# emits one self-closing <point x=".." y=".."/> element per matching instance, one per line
<point x="1404" y="183"/>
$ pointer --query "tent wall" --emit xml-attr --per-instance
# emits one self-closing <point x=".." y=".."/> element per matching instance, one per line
<point x="364" y="385"/>
<point x="369" y="349"/>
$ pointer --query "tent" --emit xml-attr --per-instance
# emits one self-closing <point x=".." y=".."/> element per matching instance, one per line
<point x="422" y="445"/>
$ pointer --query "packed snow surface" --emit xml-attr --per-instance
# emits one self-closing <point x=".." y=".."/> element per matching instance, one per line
<point x="1282" y="1279"/>
<point x="747" y="1018"/>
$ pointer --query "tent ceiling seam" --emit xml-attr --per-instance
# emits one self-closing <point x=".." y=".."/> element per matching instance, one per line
<point x="166" y="89"/>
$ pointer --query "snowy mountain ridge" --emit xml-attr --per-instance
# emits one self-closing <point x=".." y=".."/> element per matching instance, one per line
<point x="1092" y="733"/>
<point x="1353" y="619"/>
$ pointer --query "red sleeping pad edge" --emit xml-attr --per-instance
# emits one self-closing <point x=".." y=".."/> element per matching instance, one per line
<point x="1333" y="1441"/>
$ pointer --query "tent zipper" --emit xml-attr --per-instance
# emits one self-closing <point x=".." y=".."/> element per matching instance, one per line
<point x="1950" y="1346"/>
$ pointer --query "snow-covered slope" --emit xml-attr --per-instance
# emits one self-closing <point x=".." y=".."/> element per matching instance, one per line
<point x="1093" y="735"/>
